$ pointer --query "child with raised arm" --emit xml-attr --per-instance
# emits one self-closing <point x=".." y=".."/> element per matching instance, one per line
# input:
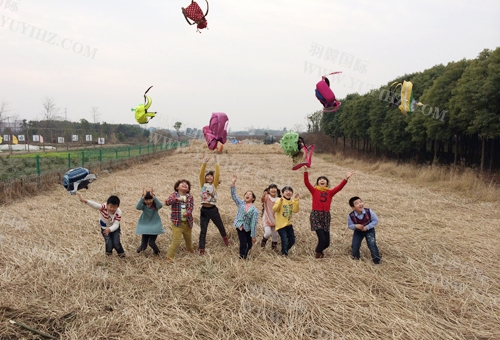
<point x="209" y="211"/>
<point x="182" y="217"/>
<point x="110" y="216"/>
<point x="269" y="197"/>
<point x="246" y="219"/>
<point x="283" y="209"/>
<point x="320" y="214"/>
<point x="363" y="221"/>
<point x="149" y="224"/>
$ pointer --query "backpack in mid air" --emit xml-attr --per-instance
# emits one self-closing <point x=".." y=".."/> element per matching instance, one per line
<point x="216" y="131"/>
<point x="142" y="116"/>
<point x="325" y="94"/>
<point x="194" y="12"/>
<point x="76" y="179"/>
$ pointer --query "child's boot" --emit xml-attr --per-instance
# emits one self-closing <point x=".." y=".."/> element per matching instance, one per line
<point x="274" y="245"/>
<point x="319" y="255"/>
<point x="226" y="241"/>
<point x="263" y="242"/>
<point x="202" y="252"/>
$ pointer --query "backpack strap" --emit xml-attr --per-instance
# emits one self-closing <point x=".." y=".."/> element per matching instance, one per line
<point x="145" y="99"/>
<point x="329" y="74"/>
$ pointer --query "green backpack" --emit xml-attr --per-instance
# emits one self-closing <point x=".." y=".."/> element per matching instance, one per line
<point x="290" y="143"/>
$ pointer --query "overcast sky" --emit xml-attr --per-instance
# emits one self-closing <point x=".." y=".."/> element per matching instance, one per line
<point x="258" y="62"/>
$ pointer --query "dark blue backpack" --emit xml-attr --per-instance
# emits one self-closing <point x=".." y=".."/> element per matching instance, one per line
<point x="76" y="179"/>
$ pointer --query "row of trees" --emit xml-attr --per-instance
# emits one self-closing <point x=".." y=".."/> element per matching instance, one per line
<point x="459" y="121"/>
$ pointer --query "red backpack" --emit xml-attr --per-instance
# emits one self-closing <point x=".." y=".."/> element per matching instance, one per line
<point x="216" y="131"/>
<point x="194" y="12"/>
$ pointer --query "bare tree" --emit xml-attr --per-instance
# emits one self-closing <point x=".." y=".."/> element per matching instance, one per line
<point x="50" y="110"/>
<point x="94" y="110"/>
<point x="298" y="128"/>
<point x="4" y="108"/>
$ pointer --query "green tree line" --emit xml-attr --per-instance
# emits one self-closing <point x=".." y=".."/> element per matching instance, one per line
<point x="458" y="123"/>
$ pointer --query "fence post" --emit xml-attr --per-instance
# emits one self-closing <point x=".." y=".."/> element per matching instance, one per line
<point x="69" y="159"/>
<point x="140" y="149"/>
<point x="116" y="153"/>
<point x="38" y="165"/>
<point x="83" y="159"/>
<point x="100" y="155"/>
<point x="148" y="148"/>
<point x="129" y="151"/>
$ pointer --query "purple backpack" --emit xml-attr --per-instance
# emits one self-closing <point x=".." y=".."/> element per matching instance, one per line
<point x="216" y="131"/>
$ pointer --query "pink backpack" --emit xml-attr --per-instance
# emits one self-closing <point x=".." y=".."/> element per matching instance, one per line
<point x="216" y="131"/>
<point x="325" y="94"/>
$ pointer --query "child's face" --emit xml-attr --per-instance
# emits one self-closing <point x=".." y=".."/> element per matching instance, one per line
<point x="112" y="208"/>
<point x="287" y="194"/>
<point x="322" y="183"/>
<point x="148" y="202"/>
<point x="248" y="198"/>
<point x="358" y="206"/>
<point x="209" y="179"/>
<point x="273" y="192"/>
<point x="183" y="187"/>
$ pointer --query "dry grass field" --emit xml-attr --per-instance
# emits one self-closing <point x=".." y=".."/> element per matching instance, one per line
<point x="438" y="237"/>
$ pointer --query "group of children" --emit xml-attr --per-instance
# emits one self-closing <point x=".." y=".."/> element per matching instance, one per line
<point x="278" y="207"/>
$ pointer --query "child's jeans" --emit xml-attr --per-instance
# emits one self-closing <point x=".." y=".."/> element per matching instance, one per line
<point x="206" y="215"/>
<point x="358" y="236"/>
<point x="245" y="242"/>
<point x="184" y="230"/>
<point x="112" y="241"/>
<point x="287" y="236"/>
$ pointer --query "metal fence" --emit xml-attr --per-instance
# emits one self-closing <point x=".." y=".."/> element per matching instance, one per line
<point x="48" y="169"/>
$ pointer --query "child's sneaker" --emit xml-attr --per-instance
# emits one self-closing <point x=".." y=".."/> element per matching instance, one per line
<point x="274" y="245"/>
<point x="190" y="251"/>
<point x="263" y="242"/>
<point x="202" y="252"/>
<point x="226" y="241"/>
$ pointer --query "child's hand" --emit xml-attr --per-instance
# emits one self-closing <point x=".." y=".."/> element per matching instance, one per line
<point x="254" y="239"/>
<point x="233" y="180"/>
<point x="206" y="158"/>
<point x="106" y="231"/>
<point x="143" y="192"/>
<point x="364" y="229"/>
<point x="297" y="196"/>
<point x="151" y="192"/>
<point x="349" y="174"/>
<point x="80" y="197"/>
